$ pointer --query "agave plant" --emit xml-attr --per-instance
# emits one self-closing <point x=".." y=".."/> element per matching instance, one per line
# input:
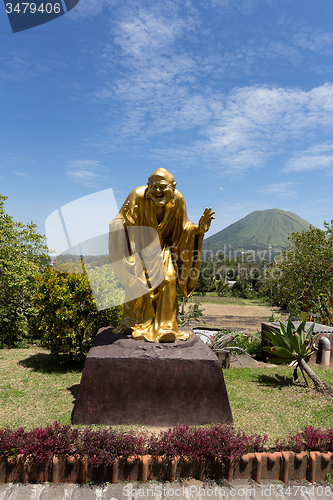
<point x="292" y="345"/>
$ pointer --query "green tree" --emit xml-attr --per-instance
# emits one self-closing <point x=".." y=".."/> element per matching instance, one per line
<point x="22" y="257"/>
<point x="68" y="319"/>
<point x="220" y="287"/>
<point x="202" y="285"/>
<point x="302" y="278"/>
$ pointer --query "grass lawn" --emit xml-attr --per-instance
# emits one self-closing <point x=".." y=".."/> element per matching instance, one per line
<point x="36" y="391"/>
<point x="267" y="401"/>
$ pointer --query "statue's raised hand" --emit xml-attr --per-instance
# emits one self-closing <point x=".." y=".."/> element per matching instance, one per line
<point x="130" y="216"/>
<point x="205" y="220"/>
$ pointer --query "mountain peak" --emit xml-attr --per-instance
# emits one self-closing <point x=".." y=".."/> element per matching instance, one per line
<point x="257" y="231"/>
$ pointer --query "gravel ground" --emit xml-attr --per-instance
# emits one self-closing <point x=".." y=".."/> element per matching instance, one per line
<point x="190" y="489"/>
<point x="234" y="316"/>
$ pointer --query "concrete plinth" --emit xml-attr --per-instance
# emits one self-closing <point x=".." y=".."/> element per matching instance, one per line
<point x="125" y="381"/>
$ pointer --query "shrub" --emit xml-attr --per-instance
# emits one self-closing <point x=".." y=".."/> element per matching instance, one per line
<point x="104" y="446"/>
<point x="10" y="441"/>
<point x="39" y="445"/>
<point x="22" y="258"/>
<point x="307" y="439"/>
<point x="219" y="440"/>
<point x="250" y="344"/>
<point x="67" y="316"/>
<point x="99" y="446"/>
<point x="301" y="279"/>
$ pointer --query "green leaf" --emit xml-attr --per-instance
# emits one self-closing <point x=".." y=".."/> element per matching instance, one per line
<point x="309" y="333"/>
<point x="305" y="351"/>
<point x="290" y="329"/>
<point x="301" y="330"/>
<point x="277" y="339"/>
<point x="267" y="349"/>
<point x="313" y="340"/>
<point x="295" y="343"/>
<point x="283" y="329"/>
<point x="280" y="351"/>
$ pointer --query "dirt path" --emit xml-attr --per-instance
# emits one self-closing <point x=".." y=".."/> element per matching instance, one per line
<point x="234" y="316"/>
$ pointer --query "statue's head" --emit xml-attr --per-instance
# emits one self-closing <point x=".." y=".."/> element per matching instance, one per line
<point x="161" y="187"/>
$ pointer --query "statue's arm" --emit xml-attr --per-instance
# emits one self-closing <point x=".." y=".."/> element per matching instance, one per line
<point x="205" y="221"/>
<point x="199" y="231"/>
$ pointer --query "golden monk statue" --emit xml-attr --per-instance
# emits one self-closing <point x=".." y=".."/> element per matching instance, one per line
<point x="154" y="247"/>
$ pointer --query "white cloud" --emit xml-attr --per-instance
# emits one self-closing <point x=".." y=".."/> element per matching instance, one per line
<point x="20" y="65"/>
<point x="147" y="31"/>
<point x="169" y="93"/>
<point x="220" y="3"/>
<point x="317" y="157"/>
<point x="314" y="40"/>
<point x="280" y="189"/>
<point x="258" y="121"/>
<point x="255" y="123"/>
<point x="91" y="8"/>
<point x="86" y="172"/>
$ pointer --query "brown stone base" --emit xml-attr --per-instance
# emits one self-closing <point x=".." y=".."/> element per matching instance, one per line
<point x="125" y="381"/>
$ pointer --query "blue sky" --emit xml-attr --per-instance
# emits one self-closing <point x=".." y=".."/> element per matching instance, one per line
<point x="234" y="97"/>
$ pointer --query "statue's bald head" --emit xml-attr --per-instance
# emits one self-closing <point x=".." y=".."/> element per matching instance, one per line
<point x="161" y="187"/>
<point x="159" y="174"/>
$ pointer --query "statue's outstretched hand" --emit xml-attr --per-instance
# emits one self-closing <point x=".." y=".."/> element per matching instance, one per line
<point x="130" y="216"/>
<point x="205" y="220"/>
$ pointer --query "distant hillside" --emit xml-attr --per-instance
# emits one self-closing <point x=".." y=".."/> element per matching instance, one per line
<point x="257" y="231"/>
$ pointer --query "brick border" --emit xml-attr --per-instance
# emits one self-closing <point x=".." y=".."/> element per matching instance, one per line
<point x="284" y="466"/>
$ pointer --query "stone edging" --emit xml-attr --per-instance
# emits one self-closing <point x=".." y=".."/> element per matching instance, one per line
<point x="284" y="466"/>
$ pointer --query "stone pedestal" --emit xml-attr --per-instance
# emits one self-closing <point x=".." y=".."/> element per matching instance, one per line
<point x="125" y="381"/>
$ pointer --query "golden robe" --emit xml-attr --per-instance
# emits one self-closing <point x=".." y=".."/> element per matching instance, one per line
<point x="152" y="259"/>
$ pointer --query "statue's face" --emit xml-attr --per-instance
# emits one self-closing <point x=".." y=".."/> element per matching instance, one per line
<point x="160" y="191"/>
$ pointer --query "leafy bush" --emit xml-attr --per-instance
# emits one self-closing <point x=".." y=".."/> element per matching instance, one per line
<point x="39" y="444"/>
<point x="99" y="446"/>
<point x="219" y="440"/>
<point x="244" y="290"/>
<point x="193" y="313"/>
<point x="10" y="441"/>
<point x="67" y="316"/>
<point x="22" y="258"/>
<point x="275" y="317"/>
<point x="250" y="344"/>
<point x="302" y="278"/>
<point x="102" y="446"/>
<point x="307" y="439"/>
